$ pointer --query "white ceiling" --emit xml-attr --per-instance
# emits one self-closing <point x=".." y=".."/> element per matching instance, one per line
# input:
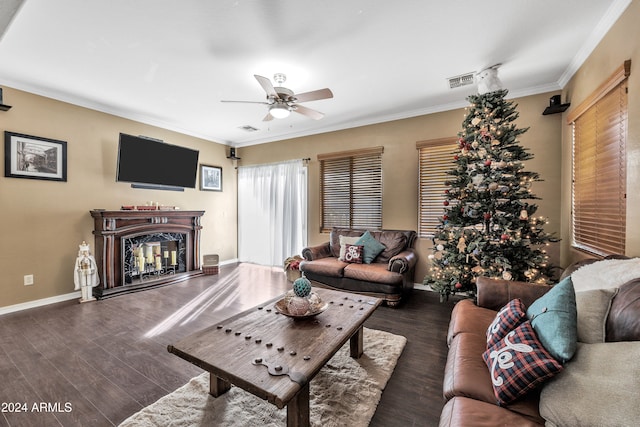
<point x="169" y="63"/>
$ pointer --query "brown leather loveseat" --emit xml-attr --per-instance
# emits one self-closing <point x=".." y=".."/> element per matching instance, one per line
<point x="389" y="275"/>
<point x="467" y="387"/>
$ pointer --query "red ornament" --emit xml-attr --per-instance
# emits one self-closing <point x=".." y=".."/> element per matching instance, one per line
<point x="446" y="191"/>
<point x="456" y="157"/>
<point x="458" y="285"/>
<point x="487" y="216"/>
<point x="446" y="203"/>
<point x="504" y="237"/>
<point x="487" y="162"/>
<point x="445" y="217"/>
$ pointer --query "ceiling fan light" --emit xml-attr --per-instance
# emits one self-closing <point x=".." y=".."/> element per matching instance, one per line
<point x="280" y="111"/>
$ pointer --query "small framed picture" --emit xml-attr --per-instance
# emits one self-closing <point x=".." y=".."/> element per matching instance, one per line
<point x="33" y="157"/>
<point x="210" y="178"/>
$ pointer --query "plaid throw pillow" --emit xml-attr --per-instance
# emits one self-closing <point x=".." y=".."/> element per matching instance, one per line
<point x="509" y="316"/>
<point x="353" y="254"/>
<point x="518" y="364"/>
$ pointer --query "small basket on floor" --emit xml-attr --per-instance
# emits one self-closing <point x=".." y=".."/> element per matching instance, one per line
<point x="210" y="264"/>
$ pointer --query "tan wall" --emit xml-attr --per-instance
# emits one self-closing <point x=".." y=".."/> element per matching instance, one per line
<point x="400" y="162"/>
<point x="43" y="222"/>
<point x="622" y="42"/>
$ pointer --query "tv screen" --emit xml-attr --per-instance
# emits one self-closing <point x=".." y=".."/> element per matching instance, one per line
<point x="148" y="161"/>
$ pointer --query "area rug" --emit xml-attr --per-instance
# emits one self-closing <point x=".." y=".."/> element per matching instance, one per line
<point x="345" y="392"/>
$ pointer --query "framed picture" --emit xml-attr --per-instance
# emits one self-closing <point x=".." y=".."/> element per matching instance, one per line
<point x="34" y="157"/>
<point x="210" y="178"/>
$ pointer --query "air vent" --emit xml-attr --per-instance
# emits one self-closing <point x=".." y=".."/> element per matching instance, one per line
<point x="248" y="128"/>
<point x="461" y="80"/>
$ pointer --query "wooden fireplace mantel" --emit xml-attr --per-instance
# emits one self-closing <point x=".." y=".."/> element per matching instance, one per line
<point x="111" y="227"/>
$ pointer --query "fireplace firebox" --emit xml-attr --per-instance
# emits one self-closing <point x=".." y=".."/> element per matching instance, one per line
<point x="135" y="250"/>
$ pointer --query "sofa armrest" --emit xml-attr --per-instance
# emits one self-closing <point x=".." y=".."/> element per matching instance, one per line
<point x="316" y="252"/>
<point x="496" y="293"/>
<point x="404" y="261"/>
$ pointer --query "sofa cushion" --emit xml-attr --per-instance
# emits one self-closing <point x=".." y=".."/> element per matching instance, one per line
<point x="593" y="308"/>
<point x="468" y="317"/>
<point x="353" y="254"/>
<point x="465" y="372"/>
<point x="344" y="241"/>
<point x="372" y="247"/>
<point x="599" y="387"/>
<point x="465" y="412"/>
<point x="553" y="317"/>
<point x="466" y="375"/>
<point x="510" y="316"/>
<point x="324" y="266"/>
<point x="374" y="272"/>
<point x="623" y="322"/>
<point x="394" y="242"/>
<point x="518" y="364"/>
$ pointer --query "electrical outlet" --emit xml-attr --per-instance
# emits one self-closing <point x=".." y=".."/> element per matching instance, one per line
<point x="28" y="280"/>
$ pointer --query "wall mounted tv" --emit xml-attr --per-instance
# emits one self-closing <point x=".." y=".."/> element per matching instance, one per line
<point x="150" y="163"/>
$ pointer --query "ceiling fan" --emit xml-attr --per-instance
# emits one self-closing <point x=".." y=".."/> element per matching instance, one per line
<point x="283" y="101"/>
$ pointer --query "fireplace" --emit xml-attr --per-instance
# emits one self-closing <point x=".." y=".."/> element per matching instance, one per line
<point x="136" y="250"/>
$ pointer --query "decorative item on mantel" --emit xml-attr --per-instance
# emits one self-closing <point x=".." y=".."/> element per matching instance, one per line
<point x="85" y="274"/>
<point x="149" y="206"/>
<point x="292" y="267"/>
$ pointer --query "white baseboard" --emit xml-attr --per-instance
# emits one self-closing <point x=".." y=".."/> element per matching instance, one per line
<point x="59" y="298"/>
<point x="422" y="287"/>
<point x="39" y="302"/>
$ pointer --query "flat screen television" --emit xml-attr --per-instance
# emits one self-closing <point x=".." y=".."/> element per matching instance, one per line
<point x="150" y="163"/>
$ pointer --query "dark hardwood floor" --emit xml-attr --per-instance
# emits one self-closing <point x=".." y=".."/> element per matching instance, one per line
<point x="95" y="364"/>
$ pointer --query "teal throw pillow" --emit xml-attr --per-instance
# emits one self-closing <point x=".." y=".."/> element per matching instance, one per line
<point x="372" y="247"/>
<point x="554" y="319"/>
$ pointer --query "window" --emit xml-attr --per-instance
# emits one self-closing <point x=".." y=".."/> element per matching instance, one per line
<point x="599" y="167"/>
<point x="435" y="159"/>
<point x="351" y="189"/>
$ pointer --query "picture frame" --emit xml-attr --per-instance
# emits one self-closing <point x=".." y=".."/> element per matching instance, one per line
<point x="34" y="157"/>
<point x="210" y="178"/>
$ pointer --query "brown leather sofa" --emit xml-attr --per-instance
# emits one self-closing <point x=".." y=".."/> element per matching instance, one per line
<point x="389" y="276"/>
<point x="467" y="388"/>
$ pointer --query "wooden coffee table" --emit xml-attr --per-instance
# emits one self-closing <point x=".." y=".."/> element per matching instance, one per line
<point x="274" y="356"/>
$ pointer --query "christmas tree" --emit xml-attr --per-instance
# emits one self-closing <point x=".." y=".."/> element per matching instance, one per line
<point x="488" y="227"/>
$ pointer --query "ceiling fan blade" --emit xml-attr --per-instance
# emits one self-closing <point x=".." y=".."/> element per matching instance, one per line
<point x="267" y="118"/>
<point x="267" y="86"/>
<point x="314" y="95"/>
<point x="313" y="114"/>
<point x="247" y="102"/>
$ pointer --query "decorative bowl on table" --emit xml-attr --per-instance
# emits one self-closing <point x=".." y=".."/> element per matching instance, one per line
<point x="299" y="307"/>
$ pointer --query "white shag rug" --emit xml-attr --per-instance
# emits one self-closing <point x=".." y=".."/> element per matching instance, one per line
<point x="345" y="392"/>
<point x="608" y="273"/>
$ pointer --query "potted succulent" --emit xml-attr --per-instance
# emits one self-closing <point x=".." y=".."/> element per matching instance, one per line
<point x="292" y="267"/>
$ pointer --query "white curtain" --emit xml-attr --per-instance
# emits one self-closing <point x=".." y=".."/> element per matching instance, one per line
<point x="272" y="212"/>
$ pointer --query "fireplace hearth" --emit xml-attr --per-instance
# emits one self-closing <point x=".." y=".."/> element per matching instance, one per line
<point x="136" y="250"/>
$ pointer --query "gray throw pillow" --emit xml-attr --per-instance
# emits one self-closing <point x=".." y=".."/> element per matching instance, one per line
<point x="593" y="309"/>
<point x="598" y="387"/>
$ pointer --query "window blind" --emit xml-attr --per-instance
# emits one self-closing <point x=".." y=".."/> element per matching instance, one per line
<point x="435" y="160"/>
<point x="599" y="168"/>
<point x="351" y="189"/>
